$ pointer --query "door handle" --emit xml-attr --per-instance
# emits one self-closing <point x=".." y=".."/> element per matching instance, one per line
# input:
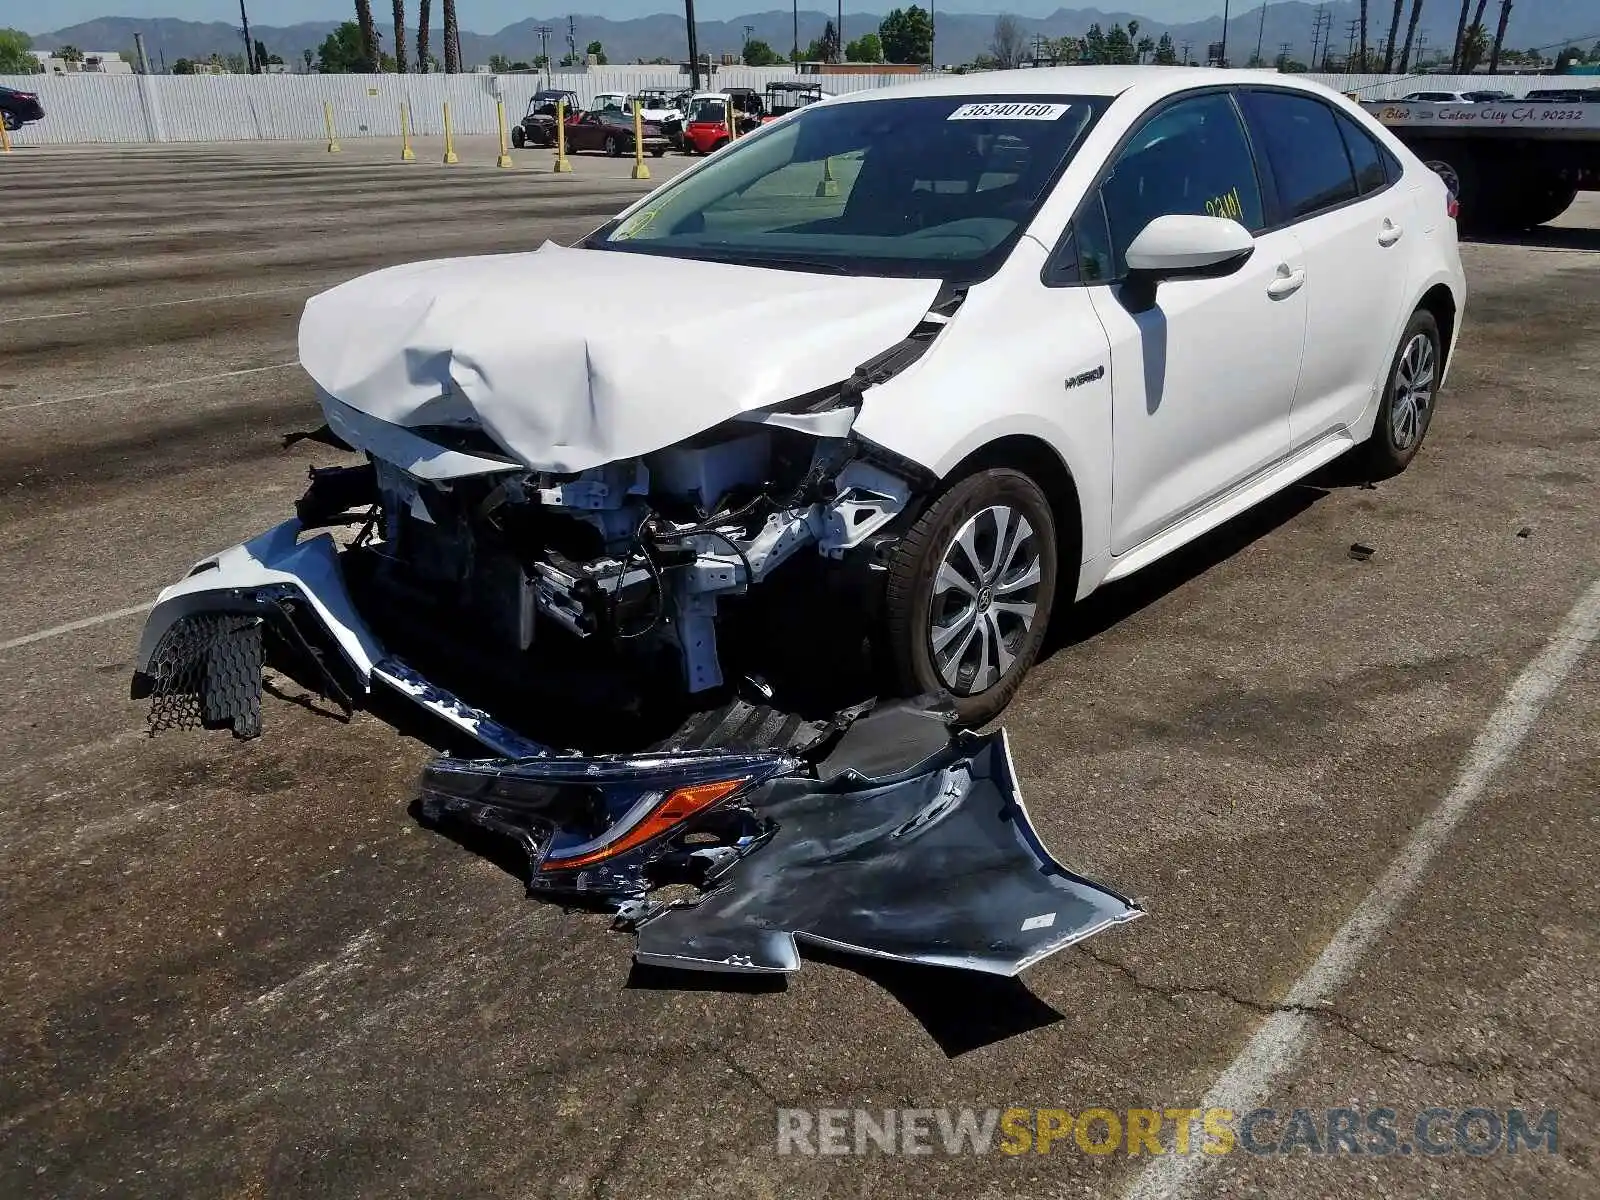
<point x="1287" y="283"/>
<point x="1390" y="233"/>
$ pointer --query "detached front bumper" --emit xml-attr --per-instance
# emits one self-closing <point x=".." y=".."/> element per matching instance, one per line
<point x="886" y="834"/>
<point x="206" y="632"/>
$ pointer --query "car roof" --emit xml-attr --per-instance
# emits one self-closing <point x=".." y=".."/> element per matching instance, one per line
<point x="1152" y="82"/>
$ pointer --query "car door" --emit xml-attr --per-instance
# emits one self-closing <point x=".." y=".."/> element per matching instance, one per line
<point x="1356" y="229"/>
<point x="1203" y="380"/>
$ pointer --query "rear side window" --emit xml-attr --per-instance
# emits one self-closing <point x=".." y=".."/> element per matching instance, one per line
<point x="1306" y="153"/>
<point x="1366" y="156"/>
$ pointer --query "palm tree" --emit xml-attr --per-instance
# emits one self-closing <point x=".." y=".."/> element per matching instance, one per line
<point x="1461" y="36"/>
<point x="369" y="34"/>
<point x="400" y="36"/>
<point x="1394" y="32"/>
<point x="1364" y="34"/>
<point x="1499" y="36"/>
<point x="424" y="13"/>
<point x="452" y="34"/>
<point x="1411" y="33"/>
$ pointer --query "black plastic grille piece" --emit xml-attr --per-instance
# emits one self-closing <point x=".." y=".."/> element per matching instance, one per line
<point x="206" y="673"/>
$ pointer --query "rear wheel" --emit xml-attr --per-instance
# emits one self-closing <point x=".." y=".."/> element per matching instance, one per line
<point x="970" y="590"/>
<point x="613" y="145"/>
<point x="12" y="121"/>
<point x="1541" y="200"/>
<point x="1409" y="397"/>
<point x="658" y="151"/>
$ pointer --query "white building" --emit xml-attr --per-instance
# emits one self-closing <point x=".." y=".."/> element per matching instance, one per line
<point x="95" y="62"/>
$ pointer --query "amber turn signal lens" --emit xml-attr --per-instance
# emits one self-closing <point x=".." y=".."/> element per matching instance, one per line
<point x="677" y="807"/>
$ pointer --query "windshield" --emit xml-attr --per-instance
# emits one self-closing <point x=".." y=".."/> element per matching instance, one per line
<point x="932" y="186"/>
<point x="707" y="110"/>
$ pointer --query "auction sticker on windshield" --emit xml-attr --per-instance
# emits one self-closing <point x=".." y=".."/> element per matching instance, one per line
<point x="1013" y="111"/>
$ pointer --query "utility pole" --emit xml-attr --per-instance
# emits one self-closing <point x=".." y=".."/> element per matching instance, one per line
<point x="838" y="30"/>
<point x="542" y="32"/>
<point x="1261" y="31"/>
<point x="933" y="32"/>
<point x="144" y="59"/>
<point x="249" y="46"/>
<point x="1351" y="26"/>
<point x="1283" y="54"/>
<point x="794" y="55"/>
<point x="572" y="38"/>
<point x="1186" y="46"/>
<point x="694" y="46"/>
<point x="1222" y="59"/>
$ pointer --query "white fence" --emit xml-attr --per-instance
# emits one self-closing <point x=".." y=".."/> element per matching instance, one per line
<point x="202" y="108"/>
<point x="199" y="108"/>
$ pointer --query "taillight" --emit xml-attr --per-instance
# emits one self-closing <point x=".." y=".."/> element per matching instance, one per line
<point x="1451" y="205"/>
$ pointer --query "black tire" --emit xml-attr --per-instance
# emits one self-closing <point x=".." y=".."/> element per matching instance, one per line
<point x="1385" y="452"/>
<point x="658" y="152"/>
<point x="1479" y="192"/>
<point x="613" y="146"/>
<point x="519" y="136"/>
<point x="1542" y="200"/>
<point x="910" y="592"/>
<point x="12" y="121"/>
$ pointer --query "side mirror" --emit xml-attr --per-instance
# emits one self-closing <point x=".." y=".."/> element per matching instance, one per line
<point x="1183" y="246"/>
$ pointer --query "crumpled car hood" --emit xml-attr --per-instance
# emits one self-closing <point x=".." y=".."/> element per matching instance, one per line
<point x="574" y="358"/>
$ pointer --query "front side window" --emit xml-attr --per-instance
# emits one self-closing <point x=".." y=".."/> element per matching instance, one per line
<point x="929" y="186"/>
<point x="1302" y="143"/>
<point x="1191" y="158"/>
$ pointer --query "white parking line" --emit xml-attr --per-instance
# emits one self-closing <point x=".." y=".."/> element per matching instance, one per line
<point x="117" y="308"/>
<point x="74" y="626"/>
<point x="142" y="387"/>
<point x="1277" y="1043"/>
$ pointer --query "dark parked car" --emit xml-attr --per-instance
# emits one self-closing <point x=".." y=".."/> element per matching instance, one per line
<point x="19" y="108"/>
<point x="612" y="131"/>
<point x="538" y="127"/>
<point x="1574" y="95"/>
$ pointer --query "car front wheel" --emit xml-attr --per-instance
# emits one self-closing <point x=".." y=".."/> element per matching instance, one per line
<point x="969" y="593"/>
<point x="519" y="136"/>
<point x="613" y="146"/>
<point x="1409" y="397"/>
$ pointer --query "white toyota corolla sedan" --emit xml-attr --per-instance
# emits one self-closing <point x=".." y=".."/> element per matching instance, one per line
<point x="963" y="351"/>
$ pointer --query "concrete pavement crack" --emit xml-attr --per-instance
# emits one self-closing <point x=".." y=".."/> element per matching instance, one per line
<point x="1323" y="1013"/>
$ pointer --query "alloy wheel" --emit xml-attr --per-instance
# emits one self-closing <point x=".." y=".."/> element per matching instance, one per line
<point x="984" y="599"/>
<point x="1412" y="405"/>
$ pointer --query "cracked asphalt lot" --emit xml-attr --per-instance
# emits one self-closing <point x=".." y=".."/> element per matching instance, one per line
<point x="244" y="969"/>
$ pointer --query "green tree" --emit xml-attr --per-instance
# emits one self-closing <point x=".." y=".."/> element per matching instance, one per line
<point x="907" y="35"/>
<point x="14" y="56"/>
<point x="398" y="11"/>
<point x="452" y="36"/>
<point x="758" y="53"/>
<point x="70" y="54"/>
<point x="183" y="67"/>
<point x="1166" y="53"/>
<point x="1564" y="60"/>
<point x="865" y="49"/>
<point x="598" y="52"/>
<point x="830" y="44"/>
<point x="237" y="64"/>
<point x="499" y="64"/>
<point x="1094" y="45"/>
<point x="342" y="52"/>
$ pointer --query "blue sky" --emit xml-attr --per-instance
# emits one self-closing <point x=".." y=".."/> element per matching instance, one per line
<point x="487" y="16"/>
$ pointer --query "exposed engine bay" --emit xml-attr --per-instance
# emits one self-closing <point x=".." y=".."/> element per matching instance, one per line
<point x="634" y="555"/>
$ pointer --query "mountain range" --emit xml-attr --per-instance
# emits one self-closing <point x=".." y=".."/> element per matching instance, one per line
<point x="961" y="36"/>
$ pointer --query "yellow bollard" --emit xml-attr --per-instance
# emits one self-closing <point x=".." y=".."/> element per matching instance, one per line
<point x="449" y="138"/>
<point x="829" y="185"/>
<point x="5" y="138"/>
<point x="562" y="167"/>
<point x="733" y="123"/>
<point x="640" y="171"/>
<point x="407" y="154"/>
<point x="505" y="150"/>
<point x="327" y="120"/>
